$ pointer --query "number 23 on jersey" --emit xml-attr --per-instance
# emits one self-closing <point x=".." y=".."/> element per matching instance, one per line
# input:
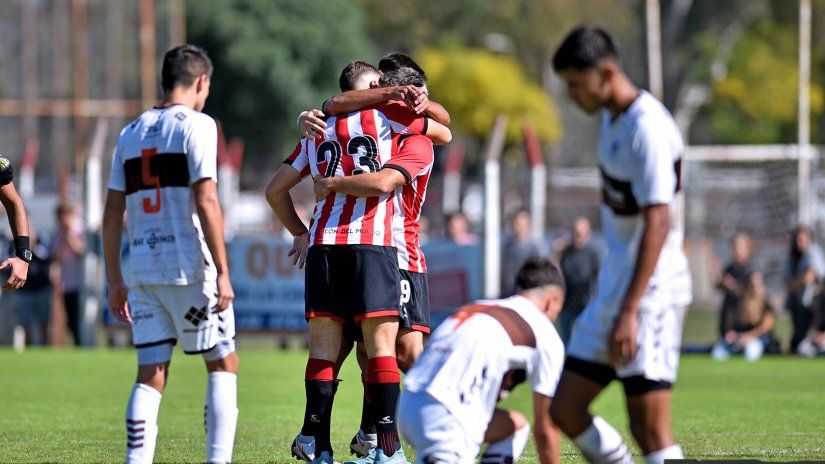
<point x="362" y="148"/>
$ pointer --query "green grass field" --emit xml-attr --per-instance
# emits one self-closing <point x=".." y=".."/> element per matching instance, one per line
<point x="67" y="407"/>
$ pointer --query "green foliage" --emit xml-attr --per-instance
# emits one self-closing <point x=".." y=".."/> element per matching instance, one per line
<point x="757" y="101"/>
<point x="274" y="58"/>
<point x="477" y="85"/>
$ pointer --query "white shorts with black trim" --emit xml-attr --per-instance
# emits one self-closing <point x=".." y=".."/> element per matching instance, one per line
<point x="164" y="314"/>
<point x="658" y="337"/>
<point x="434" y="433"/>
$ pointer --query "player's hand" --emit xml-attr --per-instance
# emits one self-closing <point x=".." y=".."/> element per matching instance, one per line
<point x="622" y="342"/>
<point x="300" y="246"/>
<point x="310" y="123"/>
<point x="118" y="306"/>
<point x="225" y="293"/>
<point x="19" y="271"/>
<point x="421" y="103"/>
<point x="321" y="188"/>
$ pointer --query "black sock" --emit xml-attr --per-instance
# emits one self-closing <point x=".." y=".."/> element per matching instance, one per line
<point x="320" y="394"/>
<point x="384" y="399"/>
<point x="367" y="415"/>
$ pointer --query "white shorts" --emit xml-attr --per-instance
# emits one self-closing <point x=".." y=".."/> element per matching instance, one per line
<point x="659" y="338"/>
<point x="433" y="432"/>
<point x="168" y="313"/>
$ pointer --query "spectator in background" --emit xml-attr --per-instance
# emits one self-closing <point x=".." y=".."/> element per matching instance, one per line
<point x="733" y="280"/>
<point x="517" y="248"/>
<point x="33" y="301"/>
<point x="580" y="263"/>
<point x="748" y="326"/>
<point x="805" y="268"/>
<point x="68" y="247"/>
<point x="458" y="230"/>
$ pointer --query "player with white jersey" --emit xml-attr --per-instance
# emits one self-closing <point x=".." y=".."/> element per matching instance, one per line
<point x="352" y="273"/>
<point x="631" y="329"/>
<point x="164" y="175"/>
<point x="19" y="224"/>
<point x="451" y="392"/>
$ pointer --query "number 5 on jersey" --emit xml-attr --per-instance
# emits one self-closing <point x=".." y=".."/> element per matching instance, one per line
<point x="147" y="178"/>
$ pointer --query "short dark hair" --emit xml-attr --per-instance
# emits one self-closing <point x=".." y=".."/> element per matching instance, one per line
<point x="353" y="71"/>
<point x="585" y="47"/>
<point x="538" y="272"/>
<point x="402" y="76"/>
<point x="182" y="65"/>
<point x="398" y="60"/>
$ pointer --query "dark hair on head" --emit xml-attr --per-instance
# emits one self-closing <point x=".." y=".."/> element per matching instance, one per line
<point x="402" y="76"/>
<point x="352" y="72"/>
<point x="538" y="272"/>
<point x="585" y="47"/>
<point x="182" y="65"/>
<point x="398" y="60"/>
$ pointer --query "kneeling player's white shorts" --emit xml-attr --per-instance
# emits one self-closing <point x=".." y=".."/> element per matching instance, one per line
<point x="433" y="432"/>
<point x="658" y="339"/>
<point x="170" y="313"/>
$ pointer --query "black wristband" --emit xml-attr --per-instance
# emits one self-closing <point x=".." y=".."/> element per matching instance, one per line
<point x="21" y="248"/>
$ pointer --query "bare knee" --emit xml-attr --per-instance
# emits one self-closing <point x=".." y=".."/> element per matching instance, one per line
<point x="153" y="375"/>
<point x="380" y="336"/>
<point x="650" y="420"/>
<point x="409" y="346"/>
<point x="228" y="363"/>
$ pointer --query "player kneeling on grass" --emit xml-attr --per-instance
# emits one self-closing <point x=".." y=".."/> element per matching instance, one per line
<point x="450" y="394"/>
<point x="163" y="174"/>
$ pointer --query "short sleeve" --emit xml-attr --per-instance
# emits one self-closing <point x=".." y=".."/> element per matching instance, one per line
<point x="414" y="157"/>
<point x="117" y="175"/>
<point x="6" y="171"/>
<point x="402" y="119"/>
<point x="202" y="148"/>
<point x="653" y="171"/>
<point x="298" y="159"/>
<point x="547" y="366"/>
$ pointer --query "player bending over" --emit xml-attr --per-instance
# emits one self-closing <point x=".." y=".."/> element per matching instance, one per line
<point x="164" y="175"/>
<point x="350" y="244"/>
<point x="450" y="394"/>
<point x="19" y="224"/>
<point x="631" y="329"/>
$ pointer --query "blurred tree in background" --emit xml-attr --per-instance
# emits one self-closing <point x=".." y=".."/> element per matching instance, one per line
<point x="274" y="58"/>
<point x="477" y="85"/>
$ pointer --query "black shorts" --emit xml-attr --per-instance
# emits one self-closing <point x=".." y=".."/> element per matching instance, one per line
<point x="603" y="375"/>
<point x="415" y="301"/>
<point x="351" y="282"/>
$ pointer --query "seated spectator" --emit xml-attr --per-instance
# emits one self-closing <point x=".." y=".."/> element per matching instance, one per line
<point x="748" y="329"/>
<point x="733" y="279"/>
<point x="33" y="303"/>
<point x="814" y="344"/>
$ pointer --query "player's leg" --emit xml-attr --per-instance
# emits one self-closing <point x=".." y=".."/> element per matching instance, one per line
<point x="408" y="347"/>
<point x="506" y="435"/>
<point x="648" y="380"/>
<point x="415" y="318"/>
<point x="383" y="379"/>
<point x="586" y="373"/>
<point x="366" y="439"/>
<point x="153" y="333"/>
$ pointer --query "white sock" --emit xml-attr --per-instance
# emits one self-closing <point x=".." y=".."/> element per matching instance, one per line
<point x="508" y="449"/>
<point x="220" y="416"/>
<point x="602" y="444"/>
<point x="142" y="424"/>
<point x="658" y="457"/>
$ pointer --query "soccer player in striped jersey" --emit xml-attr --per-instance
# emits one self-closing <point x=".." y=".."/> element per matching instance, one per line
<point x="409" y="189"/>
<point x="352" y="270"/>
<point x="164" y="175"/>
<point x="632" y="327"/>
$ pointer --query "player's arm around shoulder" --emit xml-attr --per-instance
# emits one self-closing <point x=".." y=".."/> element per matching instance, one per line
<point x="545" y="432"/>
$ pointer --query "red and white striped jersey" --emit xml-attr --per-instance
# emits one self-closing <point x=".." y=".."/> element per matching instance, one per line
<point x="415" y="152"/>
<point x="355" y="143"/>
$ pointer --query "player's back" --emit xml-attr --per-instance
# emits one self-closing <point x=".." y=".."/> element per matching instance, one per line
<point x="467" y="357"/>
<point x="158" y="157"/>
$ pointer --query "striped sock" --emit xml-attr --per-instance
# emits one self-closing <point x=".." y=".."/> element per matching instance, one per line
<point x="602" y="444"/>
<point x="142" y="424"/>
